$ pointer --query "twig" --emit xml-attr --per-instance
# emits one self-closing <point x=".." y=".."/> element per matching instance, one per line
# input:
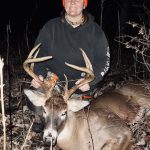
<point x="52" y="112"/>
<point x="24" y="144"/>
<point x="2" y="102"/>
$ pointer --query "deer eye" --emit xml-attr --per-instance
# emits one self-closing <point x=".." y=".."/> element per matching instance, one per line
<point x="44" y="113"/>
<point x="64" y="113"/>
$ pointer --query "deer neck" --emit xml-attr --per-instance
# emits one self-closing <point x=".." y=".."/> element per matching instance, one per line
<point x="69" y="131"/>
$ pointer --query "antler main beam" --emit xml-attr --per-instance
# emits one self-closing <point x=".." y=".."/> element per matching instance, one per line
<point x="28" y="64"/>
<point x="89" y="76"/>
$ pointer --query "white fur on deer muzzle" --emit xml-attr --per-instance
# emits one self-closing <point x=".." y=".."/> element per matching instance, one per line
<point x="50" y="135"/>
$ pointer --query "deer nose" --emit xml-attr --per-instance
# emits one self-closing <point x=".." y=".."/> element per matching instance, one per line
<point x="49" y="140"/>
<point x="50" y="136"/>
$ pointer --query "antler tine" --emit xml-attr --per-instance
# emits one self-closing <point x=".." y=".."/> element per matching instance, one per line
<point x="32" y="59"/>
<point x="32" y="64"/>
<point x="66" y="96"/>
<point x="33" y="50"/>
<point x="86" y="59"/>
<point x="88" y="69"/>
<point x="89" y="75"/>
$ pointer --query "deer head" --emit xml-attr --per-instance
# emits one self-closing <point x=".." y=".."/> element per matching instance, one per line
<point x="56" y="106"/>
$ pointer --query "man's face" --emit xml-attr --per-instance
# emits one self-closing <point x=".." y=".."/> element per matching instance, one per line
<point x="74" y="8"/>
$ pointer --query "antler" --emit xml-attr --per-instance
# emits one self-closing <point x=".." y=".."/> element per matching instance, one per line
<point x="89" y="76"/>
<point x="28" y="66"/>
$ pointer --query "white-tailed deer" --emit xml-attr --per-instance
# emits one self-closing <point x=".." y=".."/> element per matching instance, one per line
<point x="82" y="125"/>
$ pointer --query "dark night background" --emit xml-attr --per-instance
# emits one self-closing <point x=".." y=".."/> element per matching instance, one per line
<point x="22" y="20"/>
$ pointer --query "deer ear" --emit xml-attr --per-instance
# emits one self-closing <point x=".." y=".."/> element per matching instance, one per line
<point x="76" y="105"/>
<point x="35" y="97"/>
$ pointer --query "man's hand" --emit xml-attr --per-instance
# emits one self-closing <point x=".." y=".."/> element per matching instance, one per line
<point x="85" y="87"/>
<point x="35" y="84"/>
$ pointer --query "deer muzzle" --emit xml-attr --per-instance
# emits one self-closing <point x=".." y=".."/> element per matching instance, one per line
<point x="50" y="136"/>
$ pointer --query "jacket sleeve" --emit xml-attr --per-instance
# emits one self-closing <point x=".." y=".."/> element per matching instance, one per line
<point x="101" y="62"/>
<point x="43" y="38"/>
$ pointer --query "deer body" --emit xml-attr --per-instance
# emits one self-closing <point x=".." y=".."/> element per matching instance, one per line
<point x="118" y="104"/>
<point x="95" y="132"/>
<point x="75" y="124"/>
<point x="81" y="128"/>
<point x="98" y="125"/>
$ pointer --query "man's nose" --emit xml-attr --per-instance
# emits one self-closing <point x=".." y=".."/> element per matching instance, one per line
<point x="73" y="2"/>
